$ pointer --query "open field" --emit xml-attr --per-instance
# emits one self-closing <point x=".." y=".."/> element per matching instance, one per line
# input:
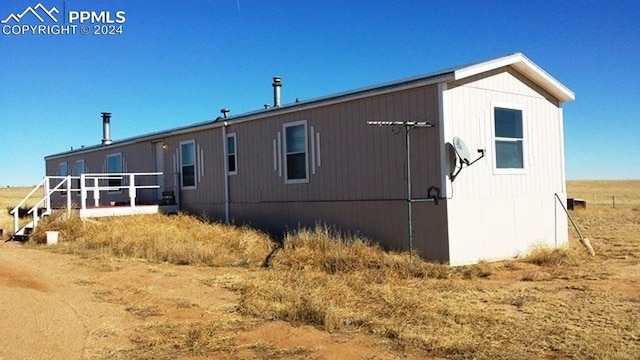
<point x="175" y="287"/>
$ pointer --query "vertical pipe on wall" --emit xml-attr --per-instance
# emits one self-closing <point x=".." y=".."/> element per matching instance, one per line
<point x="225" y="161"/>
<point x="409" y="198"/>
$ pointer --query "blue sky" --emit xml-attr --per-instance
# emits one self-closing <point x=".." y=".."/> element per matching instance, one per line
<point x="179" y="62"/>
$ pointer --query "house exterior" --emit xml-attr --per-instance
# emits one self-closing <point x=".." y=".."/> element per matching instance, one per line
<point x="319" y="161"/>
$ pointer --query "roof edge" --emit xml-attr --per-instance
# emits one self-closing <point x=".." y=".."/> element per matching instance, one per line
<point x="524" y="65"/>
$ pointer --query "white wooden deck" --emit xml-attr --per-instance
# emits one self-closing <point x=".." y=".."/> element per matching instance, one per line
<point x="127" y="210"/>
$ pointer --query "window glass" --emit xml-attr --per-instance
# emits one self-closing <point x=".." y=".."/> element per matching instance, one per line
<point x="509" y="154"/>
<point x="231" y="154"/>
<point x="188" y="156"/>
<point x="296" y="138"/>
<point x="79" y="171"/>
<point x="508" y="123"/>
<point x="296" y="166"/>
<point x="63" y="171"/>
<point x="508" y="138"/>
<point x="295" y="148"/>
<point x="114" y="165"/>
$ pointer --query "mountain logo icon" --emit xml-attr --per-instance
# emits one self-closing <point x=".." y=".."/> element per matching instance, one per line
<point x="36" y="11"/>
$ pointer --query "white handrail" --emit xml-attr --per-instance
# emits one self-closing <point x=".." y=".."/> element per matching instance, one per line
<point x="15" y="211"/>
<point x="84" y="189"/>
<point x="46" y="198"/>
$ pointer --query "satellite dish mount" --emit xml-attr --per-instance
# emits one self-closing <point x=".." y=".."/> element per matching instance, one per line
<point x="462" y="153"/>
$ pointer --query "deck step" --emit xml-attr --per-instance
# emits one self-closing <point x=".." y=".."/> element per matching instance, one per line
<point x="19" y="238"/>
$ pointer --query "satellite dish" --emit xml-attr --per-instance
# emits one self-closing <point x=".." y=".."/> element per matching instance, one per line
<point x="461" y="150"/>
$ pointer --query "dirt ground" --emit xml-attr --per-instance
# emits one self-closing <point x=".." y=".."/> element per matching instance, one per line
<point x="57" y="306"/>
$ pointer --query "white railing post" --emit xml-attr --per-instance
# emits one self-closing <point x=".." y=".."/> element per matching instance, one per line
<point x="96" y="192"/>
<point x="15" y="221"/>
<point x="68" y="180"/>
<point x="83" y="192"/>
<point x="35" y="217"/>
<point x="47" y="201"/>
<point x="132" y="190"/>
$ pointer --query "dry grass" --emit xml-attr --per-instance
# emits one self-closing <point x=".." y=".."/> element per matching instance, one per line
<point x="179" y="239"/>
<point x="550" y="304"/>
<point x="447" y="312"/>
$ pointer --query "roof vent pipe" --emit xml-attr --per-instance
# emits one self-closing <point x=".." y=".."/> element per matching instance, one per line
<point x="106" y="133"/>
<point x="224" y="112"/>
<point x="277" y="84"/>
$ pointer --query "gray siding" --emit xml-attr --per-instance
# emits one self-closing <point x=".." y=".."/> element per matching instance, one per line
<point x="358" y="183"/>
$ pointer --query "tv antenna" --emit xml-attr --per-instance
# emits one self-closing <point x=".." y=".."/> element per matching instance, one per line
<point x="408" y="126"/>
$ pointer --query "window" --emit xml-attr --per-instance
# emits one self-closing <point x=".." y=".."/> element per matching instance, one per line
<point x="509" y="137"/>
<point x="188" y="164"/>
<point x="79" y="171"/>
<point x="232" y="160"/>
<point x="114" y="166"/>
<point x="297" y="169"/>
<point x="63" y="171"/>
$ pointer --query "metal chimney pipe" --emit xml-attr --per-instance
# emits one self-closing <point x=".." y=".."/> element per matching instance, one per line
<point x="224" y="112"/>
<point x="277" y="84"/>
<point x="106" y="133"/>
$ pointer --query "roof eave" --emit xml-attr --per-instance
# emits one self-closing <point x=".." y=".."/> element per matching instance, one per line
<point x="525" y="66"/>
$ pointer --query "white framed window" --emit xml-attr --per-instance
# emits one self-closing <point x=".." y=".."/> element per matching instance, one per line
<point x="296" y="152"/>
<point x="188" y="164"/>
<point x="63" y="170"/>
<point x="232" y="155"/>
<point x="114" y="166"/>
<point x="79" y="170"/>
<point x="509" y="139"/>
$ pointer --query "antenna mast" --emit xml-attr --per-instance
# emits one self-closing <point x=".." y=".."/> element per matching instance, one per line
<point x="408" y="125"/>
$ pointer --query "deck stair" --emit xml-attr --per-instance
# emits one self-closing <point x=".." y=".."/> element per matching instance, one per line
<point x="23" y="234"/>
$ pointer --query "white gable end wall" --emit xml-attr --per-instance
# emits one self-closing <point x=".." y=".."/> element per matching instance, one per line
<point x="496" y="213"/>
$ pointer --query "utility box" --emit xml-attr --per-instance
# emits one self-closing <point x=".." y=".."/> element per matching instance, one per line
<point x="575" y="203"/>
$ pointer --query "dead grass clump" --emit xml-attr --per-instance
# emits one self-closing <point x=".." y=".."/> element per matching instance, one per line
<point x="179" y="239"/>
<point x="331" y="252"/>
<point x="70" y="227"/>
<point x="543" y="256"/>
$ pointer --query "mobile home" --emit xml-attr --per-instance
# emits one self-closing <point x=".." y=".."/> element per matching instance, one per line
<point x="459" y="165"/>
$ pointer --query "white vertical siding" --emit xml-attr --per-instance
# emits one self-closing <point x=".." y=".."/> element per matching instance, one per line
<point x="493" y="215"/>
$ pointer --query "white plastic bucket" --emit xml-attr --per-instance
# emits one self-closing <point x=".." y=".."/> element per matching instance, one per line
<point x="52" y="237"/>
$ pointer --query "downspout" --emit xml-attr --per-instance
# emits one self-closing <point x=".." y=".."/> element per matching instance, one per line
<point x="226" y="172"/>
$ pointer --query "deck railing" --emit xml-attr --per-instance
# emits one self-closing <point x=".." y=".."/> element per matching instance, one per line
<point x="126" y="181"/>
<point x="85" y="184"/>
